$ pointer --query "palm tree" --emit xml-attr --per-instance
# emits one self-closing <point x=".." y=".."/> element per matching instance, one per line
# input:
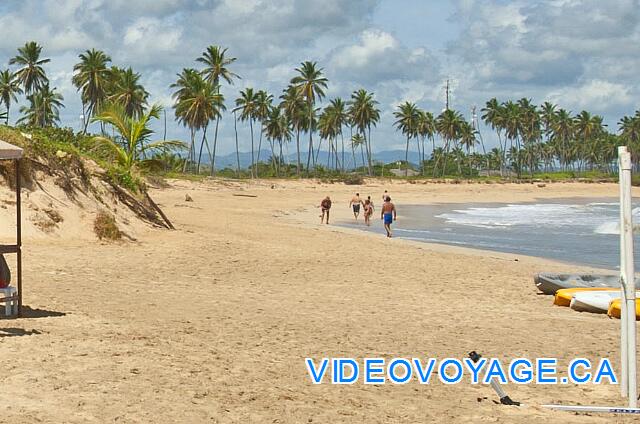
<point x="357" y="140"/>
<point x="328" y="131"/>
<point x="216" y="68"/>
<point x="364" y="114"/>
<point x="426" y="127"/>
<point x="130" y="147"/>
<point x="448" y="126"/>
<point x="9" y="89"/>
<point x="31" y="73"/>
<point x="587" y="127"/>
<point x="330" y="123"/>
<point x="187" y="85"/>
<point x="493" y="116"/>
<point x="126" y="90"/>
<point x="44" y="108"/>
<point x="530" y="129"/>
<point x="310" y="85"/>
<point x="562" y="128"/>
<point x="216" y="65"/>
<point x="547" y="116"/>
<point x="247" y="105"/>
<point x="468" y="136"/>
<point x="340" y="119"/>
<point x="91" y="77"/>
<point x="407" y="117"/>
<point x="277" y="130"/>
<point x="263" y="107"/>
<point x="629" y="127"/>
<point x="197" y="103"/>
<point x="293" y="107"/>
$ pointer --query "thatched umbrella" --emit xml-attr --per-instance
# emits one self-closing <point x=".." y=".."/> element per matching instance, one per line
<point x="14" y="153"/>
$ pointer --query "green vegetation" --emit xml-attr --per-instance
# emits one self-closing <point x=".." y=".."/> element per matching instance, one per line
<point x="534" y="142"/>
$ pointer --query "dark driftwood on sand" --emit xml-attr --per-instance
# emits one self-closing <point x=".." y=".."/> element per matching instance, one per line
<point x="157" y="208"/>
<point x="148" y="212"/>
<point x="245" y="195"/>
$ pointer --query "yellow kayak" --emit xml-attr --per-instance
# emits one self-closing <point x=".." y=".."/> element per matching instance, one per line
<point x="563" y="296"/>
<point x="614" y="309"/>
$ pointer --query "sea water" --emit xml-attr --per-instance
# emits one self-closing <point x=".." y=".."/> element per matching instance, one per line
<point x="579" y="231"/>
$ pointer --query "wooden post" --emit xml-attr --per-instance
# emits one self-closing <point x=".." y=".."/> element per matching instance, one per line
<point x="19" y="235"/>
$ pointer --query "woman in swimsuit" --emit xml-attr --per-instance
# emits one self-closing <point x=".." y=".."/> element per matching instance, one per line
<point x="368" y="211"/>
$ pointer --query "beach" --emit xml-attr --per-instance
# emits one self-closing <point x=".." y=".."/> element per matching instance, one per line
<point x="212" y="322"/>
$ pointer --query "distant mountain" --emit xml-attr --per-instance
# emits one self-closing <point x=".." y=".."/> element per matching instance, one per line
<point x="386" y="157"/>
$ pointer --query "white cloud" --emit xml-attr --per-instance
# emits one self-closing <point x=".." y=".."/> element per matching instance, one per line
<point x="596" y="95"/>
<point x="372" y="46"/>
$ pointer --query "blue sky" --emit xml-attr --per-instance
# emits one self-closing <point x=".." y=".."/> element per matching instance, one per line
<point x="418" y="23"/>
<point x="581" y="54"/>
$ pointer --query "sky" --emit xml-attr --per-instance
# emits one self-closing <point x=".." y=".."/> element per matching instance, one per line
<point x="580" y="54"/>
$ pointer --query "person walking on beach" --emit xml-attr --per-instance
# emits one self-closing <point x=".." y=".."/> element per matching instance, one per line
<point x="369" y="199"/>
<point x="355" y="204"/>
<point x="368" y="211"/>
<point x="384" y="196"/>
<point x="388" y="214"/>
<point x="325" y="205"/>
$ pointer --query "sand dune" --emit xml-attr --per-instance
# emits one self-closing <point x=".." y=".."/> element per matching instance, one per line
<point x="212" y="322"/>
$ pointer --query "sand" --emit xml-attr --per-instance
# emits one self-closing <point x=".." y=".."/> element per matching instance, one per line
<point x="212" y="322"/>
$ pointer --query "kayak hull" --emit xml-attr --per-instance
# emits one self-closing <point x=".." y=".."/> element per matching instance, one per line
<point x="563" y="297"/>
<point x="595" y="302"/>
<point x="549" y="283"/>
<point x="614" y="309"/>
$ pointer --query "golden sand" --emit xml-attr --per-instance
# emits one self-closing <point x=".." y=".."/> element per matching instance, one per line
<point x="212" y="322"/>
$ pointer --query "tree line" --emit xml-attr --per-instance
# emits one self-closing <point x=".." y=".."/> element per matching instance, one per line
<point x="530" y="137"/>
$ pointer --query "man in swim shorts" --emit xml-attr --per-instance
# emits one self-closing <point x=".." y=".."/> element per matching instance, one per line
<point x="388" y="214"/>
<point x="325" y="205"/>
<point x="355" y="204"/>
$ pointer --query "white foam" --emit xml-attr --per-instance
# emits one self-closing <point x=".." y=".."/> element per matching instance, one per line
<point x="613" y="226"/>
<point x="600" y="218"/>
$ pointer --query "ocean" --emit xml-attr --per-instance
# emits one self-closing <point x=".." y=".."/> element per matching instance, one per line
<point x="578" y="231"/>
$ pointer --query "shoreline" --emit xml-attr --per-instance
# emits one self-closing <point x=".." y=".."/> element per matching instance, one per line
<point x="303" y="218"/>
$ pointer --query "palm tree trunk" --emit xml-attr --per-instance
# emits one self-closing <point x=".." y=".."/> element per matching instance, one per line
<point x="369" y="152"/>
<point x="186" y="162"/>
<point x="213" y="153"/>
<point x="317" y="155"/>
<point x="202" y="143"/>
<point x="252" y="159"/>
<point x="235" y="127"/>
<point x="444" y="157"/>
<point x="273" y="157"/>
<point x="342" y="140"/>
<point x="406" y="159"/>
<point x="259" y="147"/>
<point x="423" y="156"/>
<point x="309" y="152"/>
<point x="164" y="134"/>
<point x="298" y="149"/>
<point x="329" y="156"/>
<point x="85" y="119"/>
<point x="353" y="154"/>
<point x="338" y="164"/>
